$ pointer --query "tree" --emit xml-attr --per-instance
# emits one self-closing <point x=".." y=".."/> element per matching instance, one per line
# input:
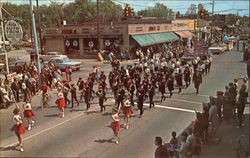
<point x="159" y="10"/>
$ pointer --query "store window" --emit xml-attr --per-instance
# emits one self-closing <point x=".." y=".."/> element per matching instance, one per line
<point x="72" y="46"/>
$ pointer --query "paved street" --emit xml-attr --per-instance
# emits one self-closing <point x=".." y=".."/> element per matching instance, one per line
<point x="85" y="133"/>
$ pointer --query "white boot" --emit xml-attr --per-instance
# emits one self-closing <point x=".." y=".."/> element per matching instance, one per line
<point x="29" y="128"/>
<point x="32" y="123"/>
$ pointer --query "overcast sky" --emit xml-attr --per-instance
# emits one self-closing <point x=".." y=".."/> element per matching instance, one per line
<point x="226" y="6"/>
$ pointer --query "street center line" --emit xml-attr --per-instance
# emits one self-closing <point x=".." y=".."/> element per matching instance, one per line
<point x="172" y="108"/>
<point x="187" y="101"/>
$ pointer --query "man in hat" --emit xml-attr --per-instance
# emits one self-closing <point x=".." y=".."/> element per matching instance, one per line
<point x="197" y="79"/>
<point x="73" y="95"/>
<point x="15" y="89"/>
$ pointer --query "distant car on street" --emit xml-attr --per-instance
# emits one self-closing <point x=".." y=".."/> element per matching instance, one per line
<point x="62" y="62"/>
<point x="49" y="55"/>
<point x="217" y="49"/>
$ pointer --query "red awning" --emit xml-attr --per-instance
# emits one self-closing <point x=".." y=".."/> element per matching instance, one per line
<point x="181" y="34"/>
<point x="184" y="34"/>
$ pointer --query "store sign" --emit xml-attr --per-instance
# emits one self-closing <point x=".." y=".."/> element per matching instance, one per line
<point x="91" y="44"/>
<point x="75" y="43"/>
<point x="67" y="43"/>
<point x="107" y="43"/>
<point x="13" y="31"/>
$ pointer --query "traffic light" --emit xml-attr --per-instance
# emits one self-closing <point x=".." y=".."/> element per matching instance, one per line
<point x="126" y="11"/>
<point x="131" y="12"/>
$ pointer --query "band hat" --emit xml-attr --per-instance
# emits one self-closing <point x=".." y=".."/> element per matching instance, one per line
<point x="115" y="117"/>
<point x="127" y="103"/>
<point x="27" y="106"/>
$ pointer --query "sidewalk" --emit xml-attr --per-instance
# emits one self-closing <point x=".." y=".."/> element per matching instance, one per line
<point x="228" y="134"/>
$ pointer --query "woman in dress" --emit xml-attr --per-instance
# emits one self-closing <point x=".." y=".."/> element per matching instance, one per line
<point x="127" y="112"/>
<point x="28" y="114"/>
<point x="18" y="127"/>
<point x="115" y="125"/>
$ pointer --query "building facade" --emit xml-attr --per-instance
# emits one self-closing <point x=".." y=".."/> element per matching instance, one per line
<point x="82" y="40"/>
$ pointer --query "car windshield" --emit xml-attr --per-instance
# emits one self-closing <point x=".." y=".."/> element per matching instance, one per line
<point x="66" y="60"/>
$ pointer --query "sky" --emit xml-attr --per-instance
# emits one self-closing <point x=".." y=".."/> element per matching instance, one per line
<point x="221" y="6"/>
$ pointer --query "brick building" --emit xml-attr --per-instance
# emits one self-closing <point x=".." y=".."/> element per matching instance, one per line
<point x="81" y="40"/>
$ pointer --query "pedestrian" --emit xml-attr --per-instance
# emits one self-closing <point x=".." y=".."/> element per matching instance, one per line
<point x="241" y="105"/>
<point x="179" y="77"/>
<point x="162" y="89"/>
<point x="182" y="151"/>
<point x="213" y="115"/>
<point x="187" y="76"/>
<point x="115" y="126"/>
<point x="61" y="104"/>
<point x="28" y="114"/>
<point x="161" y="151"/>
<point x="127" y="111"/>
<point x="170" y="84"/>
<point x="73" y="95"/>
<point x="15" y="86"/>
<point x="18" y="127"/>
<point x="66" y="70"/>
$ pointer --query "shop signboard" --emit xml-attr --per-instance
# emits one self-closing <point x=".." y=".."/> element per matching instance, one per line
<point x="13" y="31"/>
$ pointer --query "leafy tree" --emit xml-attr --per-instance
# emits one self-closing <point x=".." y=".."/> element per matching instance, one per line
<point x="159" y="10"/>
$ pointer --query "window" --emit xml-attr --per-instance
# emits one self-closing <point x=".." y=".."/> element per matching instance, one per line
<point x="158" y="28"/>
<point x="138" y="29"/>
<point x="151" y="28"/>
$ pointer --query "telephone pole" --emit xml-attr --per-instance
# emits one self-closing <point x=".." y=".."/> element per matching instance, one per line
<point x="212" y="24"/>
<point x="3" y="38"/>
<point x="39" y="24"/>
<point x="98" y="26"/>
<point x="35" y="37"/>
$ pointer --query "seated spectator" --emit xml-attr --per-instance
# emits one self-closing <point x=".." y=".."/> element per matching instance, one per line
<point x="161" y="151"/>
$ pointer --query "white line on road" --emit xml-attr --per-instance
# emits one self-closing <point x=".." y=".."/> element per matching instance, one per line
<point x="172" y="108"/>
<point x="186" y="101"/>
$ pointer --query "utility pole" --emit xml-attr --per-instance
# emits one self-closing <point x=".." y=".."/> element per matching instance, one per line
<point x="39" y="24"/>
<point x="212" y="24"/>
<point x="98" y="25"/>
<point x="3" y="37"/>
<point x="35" y="37"/>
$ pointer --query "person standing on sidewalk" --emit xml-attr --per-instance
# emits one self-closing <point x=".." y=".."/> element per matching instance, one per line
<point x="15" y="86"/>
<point x="213" y="114"/>
<point x="28" y="114"/>
<point x="18" y="127"/>
<point x="161" y="151"/>
<point x="241" y="105"/>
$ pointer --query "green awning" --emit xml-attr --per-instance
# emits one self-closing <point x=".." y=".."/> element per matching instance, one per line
<point x="155" y="38"/>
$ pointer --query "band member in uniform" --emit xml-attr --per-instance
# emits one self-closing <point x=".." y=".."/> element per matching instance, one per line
<point x="100" y="94"/>
<point x="140" y="97"/>
<point x="187" y="76"/>
<point x="18" y="127"/>
<point x="127" y="112"/>
<point x="28" y="114"/>
<point x="73" y="95"/>
<point x="179" y="80"/>
<point x="170" y="84"/>
<point x="197" y="79"/>
<point x="151" y="93"/>
<point x="162" y="89"/>
<point x="61" y="104"/>
<point x="115" y="125"/>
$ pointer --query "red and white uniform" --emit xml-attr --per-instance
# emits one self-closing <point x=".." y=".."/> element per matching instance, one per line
<point x="18" y="127"/>
<point x="28" y="113"/>
<point x="60" y="101"/>
<point x="127" y="108"/>
<point x="115" y="125"/>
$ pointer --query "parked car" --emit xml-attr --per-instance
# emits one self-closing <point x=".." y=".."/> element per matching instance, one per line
<point x="62" y="62"/>
<point x="17" y="67"/>
<point x="49" y="55"/>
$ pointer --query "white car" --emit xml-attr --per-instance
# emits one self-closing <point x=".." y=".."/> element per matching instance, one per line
<point x="50" y="55"/>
